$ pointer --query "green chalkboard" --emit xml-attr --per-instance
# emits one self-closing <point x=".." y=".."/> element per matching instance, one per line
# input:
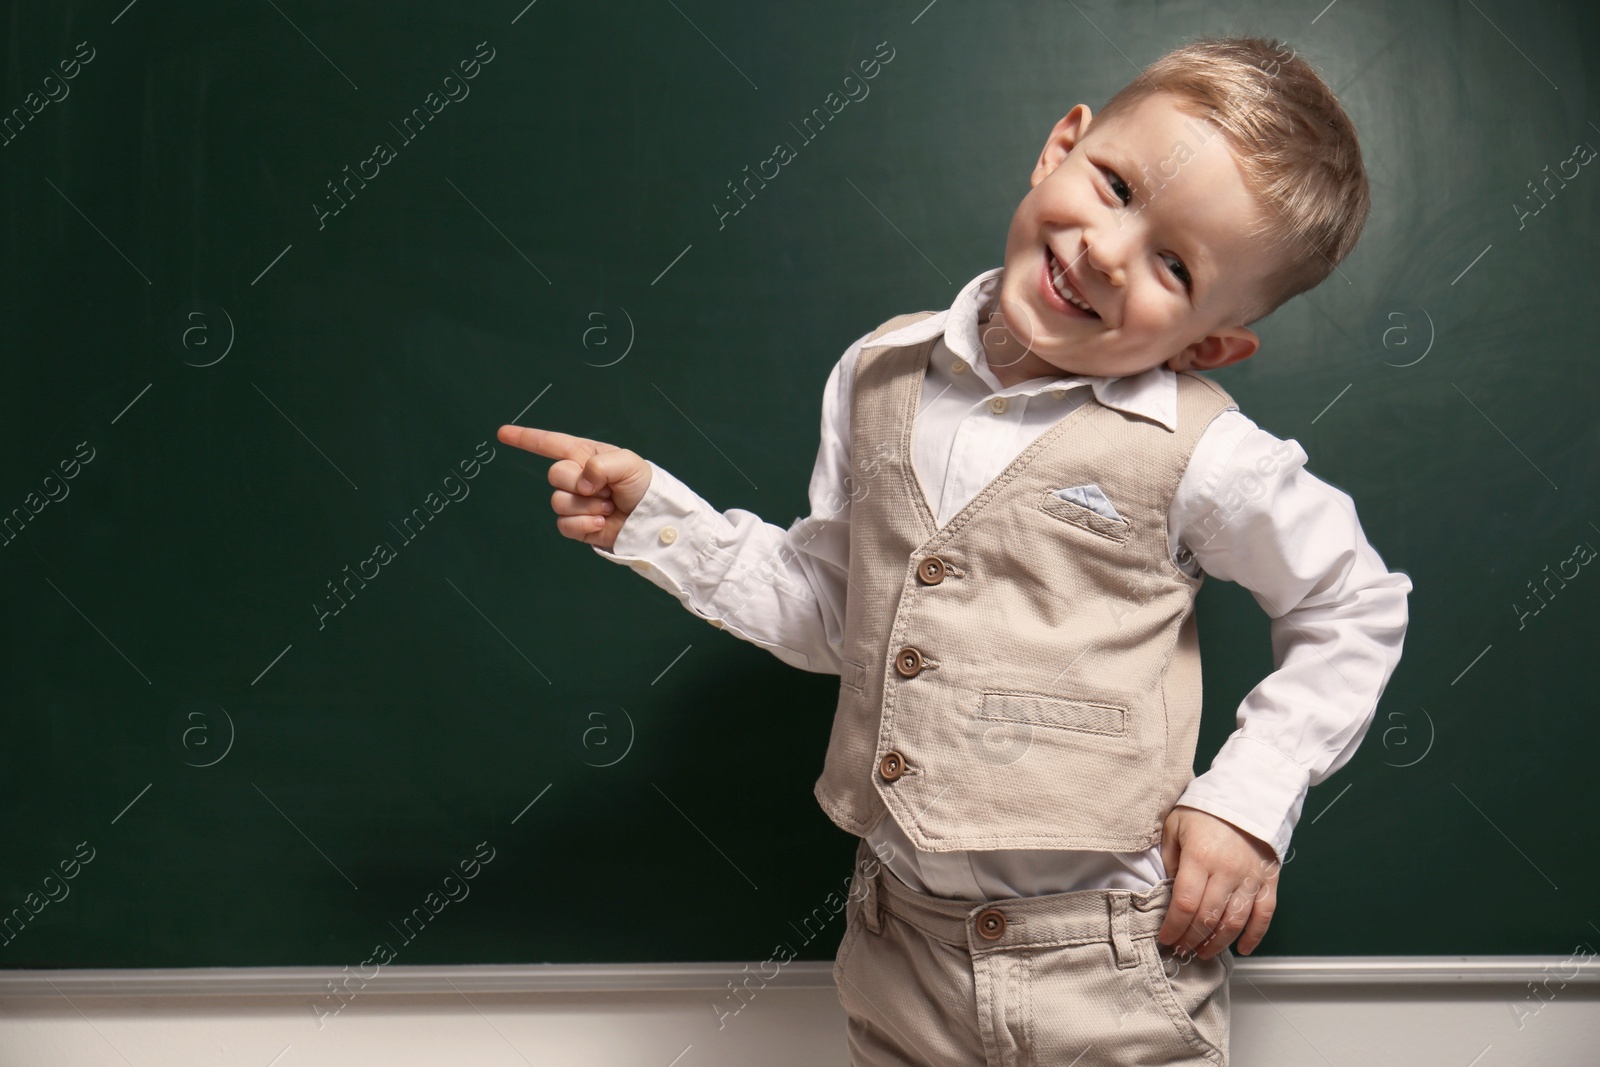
<point x="293" y="648"/>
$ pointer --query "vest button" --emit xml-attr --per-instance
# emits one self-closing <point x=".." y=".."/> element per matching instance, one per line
<point x="908" y="661"/>
<point x="991" y="924"/>
<point x="932" y="570"/>
<point x="892" y="766"/>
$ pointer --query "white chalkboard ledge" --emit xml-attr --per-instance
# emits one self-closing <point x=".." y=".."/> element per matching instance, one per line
<point x="801" y="974"/>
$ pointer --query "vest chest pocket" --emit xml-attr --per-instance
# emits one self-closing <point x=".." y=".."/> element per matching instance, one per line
<point x="1083" y="517"/>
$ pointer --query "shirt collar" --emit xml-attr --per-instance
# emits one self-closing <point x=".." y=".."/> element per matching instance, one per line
<point x="1152" y="393"/>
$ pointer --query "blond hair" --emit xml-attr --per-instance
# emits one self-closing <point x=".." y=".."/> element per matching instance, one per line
<point x="1295" y="147"/>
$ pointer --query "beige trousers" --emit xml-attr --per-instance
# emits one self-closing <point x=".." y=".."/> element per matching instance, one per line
<point x="1064" y="979"/>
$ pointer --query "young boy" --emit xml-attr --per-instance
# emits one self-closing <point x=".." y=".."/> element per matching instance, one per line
<point x="1014" y="504"/>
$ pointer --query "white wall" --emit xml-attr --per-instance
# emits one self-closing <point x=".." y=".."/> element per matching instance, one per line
<point x="1333" y="1013"/>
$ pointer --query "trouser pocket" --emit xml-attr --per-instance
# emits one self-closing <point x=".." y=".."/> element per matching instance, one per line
<point x="854" y="927"/>
<point x="1192" y="993"/>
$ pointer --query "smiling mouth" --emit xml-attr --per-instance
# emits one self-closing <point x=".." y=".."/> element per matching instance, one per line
<point x="1056" y="273"/>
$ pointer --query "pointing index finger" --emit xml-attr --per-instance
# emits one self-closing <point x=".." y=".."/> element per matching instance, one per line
<point x="549" y="443"/>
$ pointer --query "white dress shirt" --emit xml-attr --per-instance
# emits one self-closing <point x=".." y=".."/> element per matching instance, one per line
<point x="1245" y="511"/>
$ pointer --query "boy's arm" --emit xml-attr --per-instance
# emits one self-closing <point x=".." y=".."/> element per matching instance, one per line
<point x="1252" y="514"/>
<point x="782" y="590"/>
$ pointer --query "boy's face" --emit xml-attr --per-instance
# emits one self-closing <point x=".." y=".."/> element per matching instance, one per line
<point x="1147" y="215"/>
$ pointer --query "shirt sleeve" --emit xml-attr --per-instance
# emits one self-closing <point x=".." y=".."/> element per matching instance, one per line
<point x="1249" y="512"/>
<point x="780" y="589"/>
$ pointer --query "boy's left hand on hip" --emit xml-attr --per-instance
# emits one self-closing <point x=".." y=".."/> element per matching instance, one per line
<point x="1224" y="881"/>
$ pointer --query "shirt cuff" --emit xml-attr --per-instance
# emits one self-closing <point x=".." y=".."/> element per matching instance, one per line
<point x="1255" y="787"/>
<point x="662" y="536"/>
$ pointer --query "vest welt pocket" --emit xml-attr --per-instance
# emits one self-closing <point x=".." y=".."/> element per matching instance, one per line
<point x="1039" y="710"/>
<point x="1085" y="518"/>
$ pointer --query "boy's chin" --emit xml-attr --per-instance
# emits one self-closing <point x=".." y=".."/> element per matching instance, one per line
<point x="1019" y="319"/>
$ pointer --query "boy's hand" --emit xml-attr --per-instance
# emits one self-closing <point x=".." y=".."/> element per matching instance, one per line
<point x="1224" y="881"/>
<point x="597" y="485"/>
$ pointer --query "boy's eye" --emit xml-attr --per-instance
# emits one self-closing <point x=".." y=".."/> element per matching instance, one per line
<point x="1119" y="188"/>
<point x="1180" y="271"/>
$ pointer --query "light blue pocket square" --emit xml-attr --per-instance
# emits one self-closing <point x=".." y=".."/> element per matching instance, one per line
<point x="1091" y="497"/>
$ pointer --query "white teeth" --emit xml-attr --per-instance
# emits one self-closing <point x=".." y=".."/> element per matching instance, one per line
<point x="1059" y="276"/>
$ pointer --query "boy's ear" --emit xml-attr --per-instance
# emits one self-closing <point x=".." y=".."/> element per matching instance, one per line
<point x="1227" y="345"/>
<point x="1064" y="136"/>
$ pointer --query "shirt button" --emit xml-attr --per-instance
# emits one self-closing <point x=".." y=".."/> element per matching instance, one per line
<point x="931" y="571"/>
<point x="908" y="661"/>
<point x="991" y="924"/>
<point x="892" y="766"/>
<point x="958" y="367"/>
<point x="640" y="565"/>
<point x="669" y="534"/>
<point x="998" y="405"/>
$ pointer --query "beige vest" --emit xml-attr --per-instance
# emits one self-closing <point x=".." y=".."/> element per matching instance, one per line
<point x="1027" y="676"/>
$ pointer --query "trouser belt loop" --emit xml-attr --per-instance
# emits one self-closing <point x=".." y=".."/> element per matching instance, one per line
<point x="1121" y="930"/>
<point x="870" y="869"/>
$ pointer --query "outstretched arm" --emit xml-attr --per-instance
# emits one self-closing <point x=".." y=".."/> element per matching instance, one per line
<point x="783" y="590"/>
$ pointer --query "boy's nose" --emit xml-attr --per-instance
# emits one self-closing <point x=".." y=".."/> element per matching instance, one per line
<point x="1104" y="254"/>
